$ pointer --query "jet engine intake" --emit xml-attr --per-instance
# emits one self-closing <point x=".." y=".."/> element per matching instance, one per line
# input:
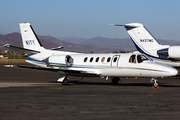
<point x="163" y="53"/>
<point x="173" y="52"/>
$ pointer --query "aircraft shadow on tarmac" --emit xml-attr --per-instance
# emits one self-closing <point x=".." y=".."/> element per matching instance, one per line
<point x="176" y="77"/>
<point x="120" y="84"/>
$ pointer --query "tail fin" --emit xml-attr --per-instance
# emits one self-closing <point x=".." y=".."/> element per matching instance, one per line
<point x="29" y="37"/>
<point x="142" y="38"/>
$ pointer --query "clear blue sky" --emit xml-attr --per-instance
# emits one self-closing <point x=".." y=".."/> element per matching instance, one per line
<point x="89" y="18"/>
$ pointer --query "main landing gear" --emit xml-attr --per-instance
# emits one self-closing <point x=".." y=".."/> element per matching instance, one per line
<point x="115" y="80"/>
<point x="63" y="79"/>
<point x="155" y="82"/>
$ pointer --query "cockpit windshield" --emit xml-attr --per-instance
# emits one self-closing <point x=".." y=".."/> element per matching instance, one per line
<point x="139" y="58"/>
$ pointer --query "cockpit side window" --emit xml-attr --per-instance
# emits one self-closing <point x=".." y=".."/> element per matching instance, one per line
<point x="132" y="59"/>
<point x="141" y="58"/>
<point x="144" y="57"/>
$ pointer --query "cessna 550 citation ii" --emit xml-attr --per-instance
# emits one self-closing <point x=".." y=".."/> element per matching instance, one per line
<point x="106" y="66"/>
<point x="145" y="43"/>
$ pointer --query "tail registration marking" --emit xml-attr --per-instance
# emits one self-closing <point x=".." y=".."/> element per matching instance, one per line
<point x="146" y="40"/>
<point x="30" y="42"/>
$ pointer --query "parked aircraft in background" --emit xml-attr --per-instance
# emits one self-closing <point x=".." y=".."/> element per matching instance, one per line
<point x="111" y="66"/>
<point x="145" y="43"/>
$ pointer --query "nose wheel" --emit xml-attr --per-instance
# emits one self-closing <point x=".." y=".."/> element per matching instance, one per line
<point x="155" y="82"/>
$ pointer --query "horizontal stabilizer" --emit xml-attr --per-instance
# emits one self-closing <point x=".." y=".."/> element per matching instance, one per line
<point x="57" y="48"/>
<point x="133" y="25"/>
<point x="26" y="51"/>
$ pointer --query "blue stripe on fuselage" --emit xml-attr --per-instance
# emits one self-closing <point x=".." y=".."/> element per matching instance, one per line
<point x="34" y="60"/>
<point x="73" y="65"/>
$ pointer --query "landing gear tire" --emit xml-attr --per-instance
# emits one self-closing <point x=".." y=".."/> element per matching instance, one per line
<point x="156" y="84"/>
<point x="65" y="82"/>
<point x="115" y="81"/>
<point x="155" y="81"/>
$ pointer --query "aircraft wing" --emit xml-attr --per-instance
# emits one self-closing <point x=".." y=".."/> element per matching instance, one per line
<point x="63" y="71"/>
<point x="27" y="51"/>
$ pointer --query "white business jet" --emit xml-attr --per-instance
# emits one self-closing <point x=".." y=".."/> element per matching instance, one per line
<point x="107" y="66"/>
<point x="145" y="43"/>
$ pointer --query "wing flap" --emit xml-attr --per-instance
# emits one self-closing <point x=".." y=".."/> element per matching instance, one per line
<point x="63" y="71"/>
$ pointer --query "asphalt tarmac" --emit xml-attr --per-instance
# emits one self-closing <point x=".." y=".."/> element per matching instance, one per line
<point x="33" y="94"/>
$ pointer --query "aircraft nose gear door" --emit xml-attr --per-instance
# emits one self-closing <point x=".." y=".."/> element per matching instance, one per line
<point x="115" y="60"/>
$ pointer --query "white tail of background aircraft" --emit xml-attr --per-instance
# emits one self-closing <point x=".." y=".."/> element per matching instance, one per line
<point x="88" y="65"/>
<point x="147" y="44"/>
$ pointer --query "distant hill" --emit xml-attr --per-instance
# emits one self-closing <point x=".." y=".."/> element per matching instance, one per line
<point x="117" y="43"/>
<point x="96" y="45"/>
<point x="73" y="47"/>
<point x="168" y="42"/>
<point x="71" y="39"/>
<point x="51" y="42"/>
<point x="1" y="33"/>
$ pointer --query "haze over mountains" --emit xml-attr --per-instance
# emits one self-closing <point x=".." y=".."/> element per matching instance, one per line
<point x="96" y="45"/>
<point x="1" y="33"/>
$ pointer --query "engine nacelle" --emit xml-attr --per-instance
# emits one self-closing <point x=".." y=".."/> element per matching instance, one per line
<point x="60" y="60"/>
<point x="172" y="52"/>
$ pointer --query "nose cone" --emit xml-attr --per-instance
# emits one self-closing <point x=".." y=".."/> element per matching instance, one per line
<point x="173" y="71"/>
<point x="170" y="70"/>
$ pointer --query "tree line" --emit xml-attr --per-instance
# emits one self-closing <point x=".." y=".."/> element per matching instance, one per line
<point x="10" y="54"/>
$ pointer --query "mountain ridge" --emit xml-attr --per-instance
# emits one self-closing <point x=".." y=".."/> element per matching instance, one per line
<point x="96" y="44"/>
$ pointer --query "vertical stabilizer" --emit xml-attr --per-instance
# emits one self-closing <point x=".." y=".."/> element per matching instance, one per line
<point x="142" y="38"/>
<point x="29" y="38"/>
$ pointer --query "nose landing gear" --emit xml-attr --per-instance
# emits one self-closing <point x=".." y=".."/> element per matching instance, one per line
<point x="155" y="82"/>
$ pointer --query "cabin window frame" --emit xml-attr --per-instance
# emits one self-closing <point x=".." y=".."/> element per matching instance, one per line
<point x="97" y="59"/>
<point x="115" y="59"/>
<point x="102" y="59"/>
<point x="91" y="59"/>
<point x="108" y="59"/>
<point x="85" y="59"/>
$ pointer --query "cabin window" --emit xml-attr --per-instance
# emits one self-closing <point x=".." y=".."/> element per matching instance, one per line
<point x="91" y="59"/>
<point x="132" y="59"/>
<point x="97" y="59"/>
<point x="85" y="59"/>
<point x="115" y="59"/>
<point x="102" y="60"/>
<point x="109" y="58"/>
